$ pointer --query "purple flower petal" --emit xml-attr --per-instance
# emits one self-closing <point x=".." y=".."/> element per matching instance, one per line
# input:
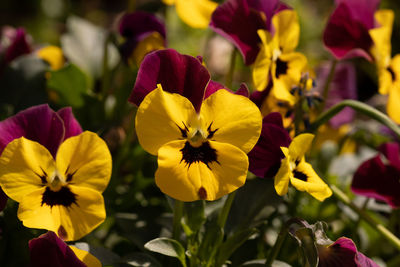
<point x="71" y="125"/>
<point x="346" y="36"/>
<point x="343" y="252"/>
<point x="362" y="10"/>
<point x="136" y="26"/>
<point x="19" y="45"/>
<point x="377" y="178"/>
<point x="235" y="21"/>
<point x="38" y="123"/>
<point x="212" y="87"/>
<point x="343" y="86"/>
<point x="49" y="250"/>
<point x="243" y="90"/>
<point x="176" y="73"/>
<point x="265" y="158"/>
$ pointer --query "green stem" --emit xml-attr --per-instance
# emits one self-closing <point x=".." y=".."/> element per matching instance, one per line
<point x="328" y="83"/>
<point x="223" y="215"/>
<point x="178" y="212"/>
<point x="357" y="106"/>
<point x="277" y="246"/>
<point x="229" y="75"/>
<point x="105" y="81"/>
<point x="389" y="236"/>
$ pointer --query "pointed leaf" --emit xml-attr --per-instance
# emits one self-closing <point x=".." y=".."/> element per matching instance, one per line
<point x="168" y="247"/>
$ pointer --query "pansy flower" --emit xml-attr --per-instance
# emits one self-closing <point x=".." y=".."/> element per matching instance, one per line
<point x="40" y="124"/>
<point x="201" y="143"/>
<point x="296" y="171"/>
<point x="239" y="21"/>
<point x="49" y="250"/>
<point x="388" y="68"/>
<point x="346" y="34"/>
<point x="343" y="252"/>
<point x="195" y="13"/>
<point x="277" y="59"/>
<point x="143" y="33"/>
<point x="62" y="193"/>
<point x="265" y="158"/>
<point x="378" y="176"/>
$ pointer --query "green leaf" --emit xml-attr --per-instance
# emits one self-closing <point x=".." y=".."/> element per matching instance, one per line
<point x="232" y="243"/>
<point x="168" y="247"/>
<point x="70" y="83"/>
<point x="261" y="263"/>
<point x="194" y="216"/>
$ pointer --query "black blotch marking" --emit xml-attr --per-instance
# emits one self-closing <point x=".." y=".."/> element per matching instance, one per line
<point x="204" y="153"/>
<point x="281" y="67"/>
<point x="300" y="176"/>
<point x="63" y="197"/>
<point x="211" y="132"/>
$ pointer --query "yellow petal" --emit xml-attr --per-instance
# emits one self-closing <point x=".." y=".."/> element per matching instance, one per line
<point x="393" y="104"/>
<point x="86" y="257"/>
<point x="152" y="42"/>
<point x="237" y="119"/>
<point x="88" y="213"/>
<point x="168" y="2"/>
<point x="381" y="37"/>
<point x="190" y="182"/>
<point x="195" y="13"/>
<point x="313" y="184"/>
<point x="262" y="64"/>
<point x="22" y="164"/>
<point x="160" y="117"/>
<point x="281" y="180"/>
<point x="287" y="29"/>
<point x="35" y="215"/>
<point x="53" y="55"/>
<point x="85" y="160"/>
<point x="70" y="223"/>
<point x="299" y="146"/>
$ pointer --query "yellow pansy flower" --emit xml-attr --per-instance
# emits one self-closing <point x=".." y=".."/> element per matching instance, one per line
<point x="296" y="171"/>
<point x="200" y="155"/>
<point x="195" y="13"/>
<point x="61" y="194"/>
<point x="277" y="59"/>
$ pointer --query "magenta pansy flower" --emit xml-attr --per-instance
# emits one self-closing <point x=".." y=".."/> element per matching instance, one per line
<point x="346" y="34"/>
<point x="50" y="250"/>
<point x="265" y="158"/>
<point x="343" y="252"/>
<point x="181" y="74"/>
<point x="41" y="124"/>
<point x="378" y="177"/>
<point x="13" y="43"/>
<point x="239" y="20"/>
<point x="141" y="28"/>
<point x="343" y="86"/>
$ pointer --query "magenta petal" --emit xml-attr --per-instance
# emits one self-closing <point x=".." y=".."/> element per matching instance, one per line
<point x="39" y="123"/>
<point x="71" y="125"/>
<point x="19" y="45"/>
<point x="212" y="87"/>
<point x="49" y="250"/>
<point x="343" y="86"/>
<point x="362" y="10"/>
<point x="343" y="253"/>
<point x="391" y="153"/>
<point x="265" y="158"/>
<point x="378" y="180"/>
<point x="243" y="90"/>
<point x="136" y="26"/>
<point x="235" y="21"/>
<point x="176" y="73"/>
<point x="345" y="36"/>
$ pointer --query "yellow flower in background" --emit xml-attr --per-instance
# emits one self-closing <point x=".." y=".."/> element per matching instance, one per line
<point x="86" y="257"/>
<point x="296" y="171"/>
<point x="277" y="59"/>
<point x="195" y="13"/>
<point x="200" y="155"/>
<point x="52" y="55"/>
<point x="152" y="42"/>
<point x="388" y="68"/>
<point x="62" y="195"/>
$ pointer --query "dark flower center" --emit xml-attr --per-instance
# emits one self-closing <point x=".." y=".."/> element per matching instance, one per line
<point x="63" y="197"/>
<point x="300" y="175"/>
<point x="393" y="75"/>
<point x="281" y="67"/>
<point x="203" y="153"/>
